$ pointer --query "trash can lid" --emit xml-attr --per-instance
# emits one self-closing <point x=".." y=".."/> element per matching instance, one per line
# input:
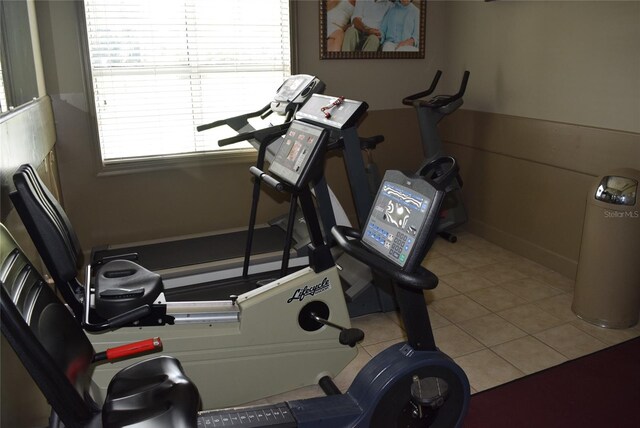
<point x="617" y="190"/>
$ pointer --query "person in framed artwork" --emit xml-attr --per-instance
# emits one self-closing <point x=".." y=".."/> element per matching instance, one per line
<point x="339" y="14"/>
<point x="365" y="35"/>
<point x="400" y="27"/>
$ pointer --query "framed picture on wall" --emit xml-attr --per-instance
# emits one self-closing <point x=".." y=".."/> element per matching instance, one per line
<point x="366" y="29"/>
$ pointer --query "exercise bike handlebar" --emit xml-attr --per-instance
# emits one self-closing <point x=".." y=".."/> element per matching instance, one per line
<point x="440" y="100"/>
<point x="421" y="279"/>
<point x="412" y="98"/>
<point x="119" y="320"/>
<point x="445" y="176"/>
<point x="443" y="100"/>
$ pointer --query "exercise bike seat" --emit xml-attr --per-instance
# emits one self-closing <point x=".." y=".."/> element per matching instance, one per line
<point x="142" y="393"/>
<point x="445" y="104"/>
<point x="57" y="353"/>
<point x="122" y="285"/>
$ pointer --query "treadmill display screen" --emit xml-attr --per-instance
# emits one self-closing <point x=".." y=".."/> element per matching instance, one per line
<point x="396" y="221"/>
<point x="296" y="153"/>
<point x="292" y="87"/>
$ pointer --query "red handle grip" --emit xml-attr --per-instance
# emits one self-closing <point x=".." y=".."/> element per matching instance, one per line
<point x="132" y="349"/>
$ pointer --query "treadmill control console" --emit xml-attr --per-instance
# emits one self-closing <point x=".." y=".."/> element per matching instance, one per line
<point x="402" y="219"/>
<point x="300" y="154"/>
<point x="294" y="91"/>
<point x="334" y="112"/>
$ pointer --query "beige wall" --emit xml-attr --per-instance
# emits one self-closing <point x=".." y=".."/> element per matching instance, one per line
<point x="526" y="180"/>
<point x="566" y="61"/>
<point x="553" y="101"/>
<point x="573" y="62"/>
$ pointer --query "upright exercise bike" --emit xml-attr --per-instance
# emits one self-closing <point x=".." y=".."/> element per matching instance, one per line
<point x="430" y="112"/>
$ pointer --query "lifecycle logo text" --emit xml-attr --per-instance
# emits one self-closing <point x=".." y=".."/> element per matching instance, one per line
<point x="312" y="290"/>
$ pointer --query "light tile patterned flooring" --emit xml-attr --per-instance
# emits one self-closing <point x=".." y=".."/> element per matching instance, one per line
<point x="500" y="316"/>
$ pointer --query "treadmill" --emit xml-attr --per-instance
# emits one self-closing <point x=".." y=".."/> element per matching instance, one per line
<point x="217" y="258"/>
<point x="214" y="266"/>
<point x="365" y="291"/>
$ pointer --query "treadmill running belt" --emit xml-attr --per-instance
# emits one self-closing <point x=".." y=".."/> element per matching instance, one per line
<point x="194" y="251"/>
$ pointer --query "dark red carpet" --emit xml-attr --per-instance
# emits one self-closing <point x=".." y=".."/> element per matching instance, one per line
<point x="598" y="390"/>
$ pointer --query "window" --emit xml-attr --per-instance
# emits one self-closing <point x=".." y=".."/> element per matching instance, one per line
<point x="159" y="68"/>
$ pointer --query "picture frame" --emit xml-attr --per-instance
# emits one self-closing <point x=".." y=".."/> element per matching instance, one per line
<point x="342" y="37"/>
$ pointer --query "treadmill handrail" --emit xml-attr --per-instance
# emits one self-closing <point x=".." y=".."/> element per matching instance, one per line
<point x="235" y="122"/>
<point x="263" y="176"/>
<point x="261" y="135"/>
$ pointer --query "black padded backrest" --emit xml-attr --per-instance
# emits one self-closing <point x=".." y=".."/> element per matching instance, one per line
<point x="40" y="203"/>
<point x="56" y="210"/>
<point x="50" y="231"/>
<point x="48" y="226"/>
<point x="58" y="355"/>
<point x="45" y="335"/>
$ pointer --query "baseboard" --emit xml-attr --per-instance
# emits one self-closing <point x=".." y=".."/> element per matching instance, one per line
<point x="538" y="254"/>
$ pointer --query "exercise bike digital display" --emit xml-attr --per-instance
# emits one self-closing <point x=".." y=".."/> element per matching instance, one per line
<point x="400" y="219"/>
<point x="299" y="150"/>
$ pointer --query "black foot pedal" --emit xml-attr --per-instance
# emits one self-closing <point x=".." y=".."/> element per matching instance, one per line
<point x="351" y="336"/>
<point x="429" y="392"/>
<point x="448" y="237"/>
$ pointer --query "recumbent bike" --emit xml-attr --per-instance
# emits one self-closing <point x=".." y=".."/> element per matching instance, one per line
<point x="225" y="344"/>
<point x="410" y="384"/>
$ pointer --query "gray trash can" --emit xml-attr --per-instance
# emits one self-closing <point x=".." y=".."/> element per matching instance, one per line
<point x="607" y="291"/>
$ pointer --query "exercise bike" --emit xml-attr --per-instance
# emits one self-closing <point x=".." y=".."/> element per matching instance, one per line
<point x="430" y="112"/>
<point x="407" y="385"/>
<point x="225" y="343"/>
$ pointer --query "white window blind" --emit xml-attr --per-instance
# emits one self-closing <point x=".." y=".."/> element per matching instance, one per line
<point x="161" y="67"/>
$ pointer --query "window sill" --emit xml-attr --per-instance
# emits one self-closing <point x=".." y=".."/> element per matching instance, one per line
<point x="180" y="161"/>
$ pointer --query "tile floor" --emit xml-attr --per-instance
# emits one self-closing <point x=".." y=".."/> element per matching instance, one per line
<point x="498" y="315"/>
